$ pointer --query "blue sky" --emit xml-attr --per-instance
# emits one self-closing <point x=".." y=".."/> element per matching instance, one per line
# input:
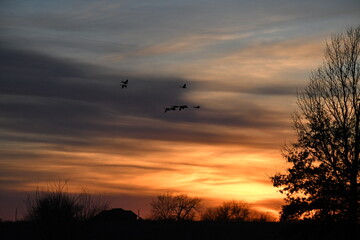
<point x="64" y="114"/>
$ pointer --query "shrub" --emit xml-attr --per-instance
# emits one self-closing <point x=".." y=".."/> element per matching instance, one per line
<point x="56" y="205"/>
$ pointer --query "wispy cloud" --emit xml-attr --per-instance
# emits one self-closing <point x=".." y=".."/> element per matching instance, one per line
<point x="78" y="100"/>
<point x="79" y="111"/>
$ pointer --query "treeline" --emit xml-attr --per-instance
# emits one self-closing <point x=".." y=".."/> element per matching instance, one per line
<point x="56" y="205"/>
<point x="56" y="213"/>
<point x="182" y="207"/>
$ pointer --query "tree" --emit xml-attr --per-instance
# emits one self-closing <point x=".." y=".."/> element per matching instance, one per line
<point x="322" y="182"/>
<point x="162" y="207"/>
<point x="236" y="211"/>
<point x="262" y="217"/>
<point x="179" y="207"/>
<point x="209" y="215"/>
<point x="186" y="207"/>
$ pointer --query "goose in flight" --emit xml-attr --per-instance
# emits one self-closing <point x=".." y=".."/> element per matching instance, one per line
<point x="125" y="82"/>
<point x="183" y="86"/>
<point x="196" y="106"/>
<point x="123" y="85"/>
<point x="182" y="107"/>
<point x="167" y="109"/>
<point x="174" y="107"/>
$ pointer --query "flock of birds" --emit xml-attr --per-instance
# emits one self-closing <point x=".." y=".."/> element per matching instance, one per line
<point x="124" y="84"/>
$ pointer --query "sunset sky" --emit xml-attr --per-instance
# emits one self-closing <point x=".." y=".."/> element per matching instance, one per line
<point x="64" y="115"/>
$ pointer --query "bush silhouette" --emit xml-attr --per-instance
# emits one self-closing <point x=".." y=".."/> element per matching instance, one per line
<point x="56" y="212"/>
<point x="53" y="206"/>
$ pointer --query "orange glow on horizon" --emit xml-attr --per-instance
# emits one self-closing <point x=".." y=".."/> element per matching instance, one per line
<point x="210" y="172"/>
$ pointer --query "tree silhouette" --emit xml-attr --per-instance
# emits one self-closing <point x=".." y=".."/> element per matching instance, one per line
<point x="234" y="211"/>
<point x="162" y="207"/>
<point x="322" y="182"/>
<point x="179" y="207"/>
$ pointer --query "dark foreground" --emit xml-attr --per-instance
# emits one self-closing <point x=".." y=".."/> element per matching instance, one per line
<point x="190" y="230"/>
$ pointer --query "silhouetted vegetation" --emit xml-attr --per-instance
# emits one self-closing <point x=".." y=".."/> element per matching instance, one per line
<point x="56" y="204"/>
<point x="262" y="217"/>
<point x="230" y="220"/>
<point x="322" y="182"/>
<point x="234" y="211"/>
<point x="56" y="211"/>
<point x="172" y="207"/>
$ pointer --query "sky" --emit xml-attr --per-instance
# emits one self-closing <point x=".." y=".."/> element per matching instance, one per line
<point x="64" y="114"/>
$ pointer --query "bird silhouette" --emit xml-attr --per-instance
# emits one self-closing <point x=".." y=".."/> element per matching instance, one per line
<point x="182" y="107"/>
<point x="174" y="107"/>
<point x="123" y="85"/>
<point x="196" y="106"/>
<point x="125" y="82"/>
<point x="183" y="86"/>
<point x="167" y="109"/>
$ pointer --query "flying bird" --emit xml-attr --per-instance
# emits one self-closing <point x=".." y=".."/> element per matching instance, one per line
<point x="123" y="85"/>
<point x="125" y="82"/>
<point x="183" y="86"/>
<point x="174" y="107"/>
<point x="167" y="109"/>
<point x="196" y="106"/>
<point x="182" y="107"/>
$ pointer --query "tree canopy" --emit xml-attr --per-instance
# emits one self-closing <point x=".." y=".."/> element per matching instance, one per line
<point x="178" y="207"/>
<point x="322" y="182"/>
<point x="230" y="211"/>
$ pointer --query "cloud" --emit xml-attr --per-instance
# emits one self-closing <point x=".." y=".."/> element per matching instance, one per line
<point x="79" y="103"/>
<point x="112" y="30"/>
<point x="69" y="119"/>
<point x="262" y="89"/>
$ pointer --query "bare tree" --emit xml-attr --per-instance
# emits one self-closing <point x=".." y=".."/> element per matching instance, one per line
<point x="162" y="208"/>
<point x="186" y="207"/>
<point x="236" y="211"/>
<point x="209" y="215"/>
<point x="179" y="207"/>
<point x="323" y="180"/>
<point x="224" y="212"/>
<point x="262" y="217"/>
